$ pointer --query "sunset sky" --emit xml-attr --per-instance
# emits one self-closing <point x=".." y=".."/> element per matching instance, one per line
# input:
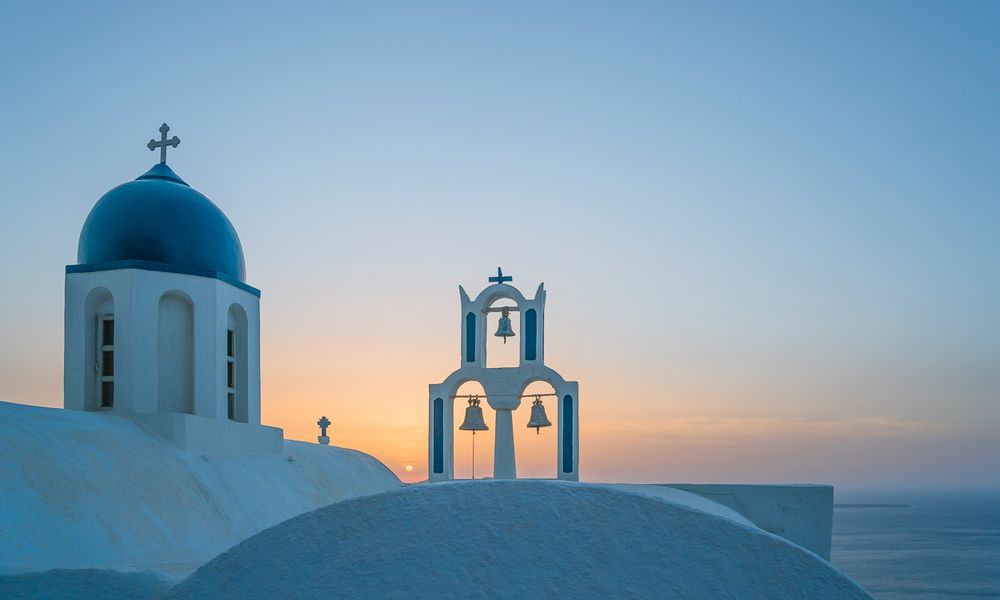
<point x="770" y="234"/>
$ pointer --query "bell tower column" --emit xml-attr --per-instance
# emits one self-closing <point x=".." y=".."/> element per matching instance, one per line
<point x="440" y="445"/>
<point x="568" y="464"/>
<point x="504" y="466"/>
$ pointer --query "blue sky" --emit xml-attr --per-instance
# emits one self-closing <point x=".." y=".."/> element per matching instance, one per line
<point x="773" y="223"/>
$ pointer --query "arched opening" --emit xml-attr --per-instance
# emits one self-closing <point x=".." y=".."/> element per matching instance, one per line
<point x="502" y="352"/>
<point x="175" y="354"/>
<point x="464" y="439"/>
<point x="536" y="450"/>
<point x="237" y="383"/>
<point x="99" y="355"/>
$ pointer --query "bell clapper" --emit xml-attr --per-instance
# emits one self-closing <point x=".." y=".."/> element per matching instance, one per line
<point x="538" y="401"/>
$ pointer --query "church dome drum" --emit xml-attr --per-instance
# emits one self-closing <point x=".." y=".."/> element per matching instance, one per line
<point x="159" y="218"/>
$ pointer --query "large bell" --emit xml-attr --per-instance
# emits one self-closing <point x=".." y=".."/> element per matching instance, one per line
<point x="473" y="417"/>
<point x="504" y="330"/>
<point x="538" y="418"/>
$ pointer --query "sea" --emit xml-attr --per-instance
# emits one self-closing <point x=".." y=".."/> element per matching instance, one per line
<point x="919" y="545"/>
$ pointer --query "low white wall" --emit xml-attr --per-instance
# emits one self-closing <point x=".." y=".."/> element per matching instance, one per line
<point x="802" y="514"/>
<point x="95" y="490"/>
<point x="207" y="435"/>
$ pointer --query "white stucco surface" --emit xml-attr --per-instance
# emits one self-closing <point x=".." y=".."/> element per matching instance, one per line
<point x="519" y="539"/>
<point x="160" y="319"/>
<point x="687" y="499"/>
<point x="802" y="514"/>
<point x="95" y="490"/>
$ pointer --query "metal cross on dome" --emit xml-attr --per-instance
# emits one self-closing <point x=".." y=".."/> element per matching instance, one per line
<point x="323" y="424"/>
<point x="163" y="143"/>
<point x="500" y="278"/>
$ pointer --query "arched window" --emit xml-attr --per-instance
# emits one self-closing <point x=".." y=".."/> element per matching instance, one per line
<point x="501" y="351"/>
<point x="530" y="334"/>
<point x="439" y="435"/>
<point x="566" y="414"/>
<point x="237" y="407"/>
<point x="470" y="337"/>
<point x="100" y="351"/>
<point x="175" y="354"/>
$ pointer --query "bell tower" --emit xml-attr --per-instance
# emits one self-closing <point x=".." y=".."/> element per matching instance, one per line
<point x="504" y="386"/>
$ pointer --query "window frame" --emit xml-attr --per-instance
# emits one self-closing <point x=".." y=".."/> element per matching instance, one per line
<point x="102" y="348"/>
<point x="231" y="374"/>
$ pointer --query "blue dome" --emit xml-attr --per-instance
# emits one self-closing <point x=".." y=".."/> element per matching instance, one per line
<point x="159" y="218"/>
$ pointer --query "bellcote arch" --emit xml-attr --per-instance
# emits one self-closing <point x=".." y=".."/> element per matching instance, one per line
<point x="504" y="386"/>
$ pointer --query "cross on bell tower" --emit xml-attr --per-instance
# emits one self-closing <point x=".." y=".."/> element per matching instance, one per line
<point x="500" y="277"/>
<point x="163" y="143"/>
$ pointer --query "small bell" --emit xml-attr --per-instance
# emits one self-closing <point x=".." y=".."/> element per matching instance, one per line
<point x="504" y="330"/>
<point x="474" y="417"/>
<point x="474" y="422"/>
<point x="538" y="418"/>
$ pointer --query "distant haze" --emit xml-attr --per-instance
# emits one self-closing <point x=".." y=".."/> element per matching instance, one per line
<point x="769" y="233"/>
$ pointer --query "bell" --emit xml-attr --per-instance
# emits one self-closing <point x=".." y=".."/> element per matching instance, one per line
<point x="474" y="417"/>
<point x="538" y="418"/>
<point x="504" y="330"/>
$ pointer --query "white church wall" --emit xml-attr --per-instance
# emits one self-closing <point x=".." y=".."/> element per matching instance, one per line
<point x="212" y="435"/>
<point x="141" y="354"/>
<point x="79" y="344"/>
<point x="171" y="356"/>
<point x="175" y="354"/>
<point x="800" y="513"/>
<point x="95" y="490"/>
<point x="150" y="288"/>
